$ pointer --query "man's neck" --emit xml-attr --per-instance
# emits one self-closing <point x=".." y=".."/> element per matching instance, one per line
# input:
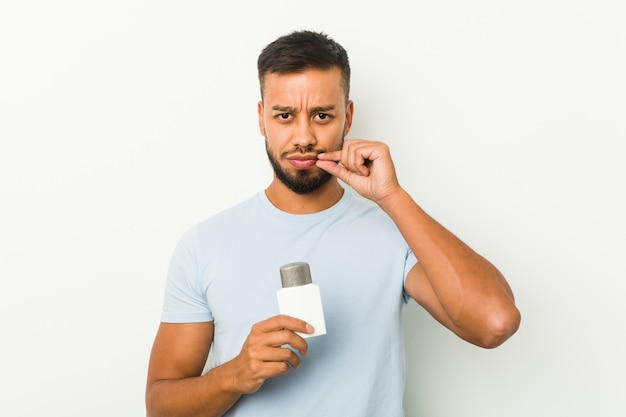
<point x="291" y="202"/>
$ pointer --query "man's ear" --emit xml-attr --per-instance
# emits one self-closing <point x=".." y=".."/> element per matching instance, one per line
<point x="349" y="114"/>
<point x="260" y="113"/>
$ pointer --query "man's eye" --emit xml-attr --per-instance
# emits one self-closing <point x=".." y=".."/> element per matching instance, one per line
<point x="284" y="116"/>
<point x="322" y="116"/>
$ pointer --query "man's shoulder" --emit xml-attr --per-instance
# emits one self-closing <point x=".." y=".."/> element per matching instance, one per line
<point x="223" y="222"/>
<point x="247" y="207"/>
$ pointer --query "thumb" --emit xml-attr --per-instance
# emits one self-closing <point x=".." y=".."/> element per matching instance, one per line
<point x="335" y="169"/>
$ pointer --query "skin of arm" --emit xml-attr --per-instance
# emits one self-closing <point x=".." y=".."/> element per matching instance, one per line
<point x="457" y="286"/>
<point x="176" y="386"/>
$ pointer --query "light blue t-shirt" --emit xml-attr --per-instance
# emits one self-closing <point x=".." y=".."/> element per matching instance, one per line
<point x="226" y="270"/>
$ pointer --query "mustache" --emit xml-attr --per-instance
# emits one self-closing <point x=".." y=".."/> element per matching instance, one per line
<point x="302" y="150"/>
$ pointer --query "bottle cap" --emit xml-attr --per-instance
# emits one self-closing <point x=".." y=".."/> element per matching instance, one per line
<point x="295" y="274"/>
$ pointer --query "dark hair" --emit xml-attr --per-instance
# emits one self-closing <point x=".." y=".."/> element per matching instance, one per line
<point x="302" y="50"/>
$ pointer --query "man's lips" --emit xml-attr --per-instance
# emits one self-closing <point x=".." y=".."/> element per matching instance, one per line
<point x="302" y="161"/>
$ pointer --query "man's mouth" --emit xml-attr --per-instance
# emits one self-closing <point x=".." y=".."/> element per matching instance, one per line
<point x="302" y="161"/>
<point x="302" y="157"/>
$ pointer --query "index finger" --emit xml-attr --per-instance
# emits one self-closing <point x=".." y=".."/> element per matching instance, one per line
<point x="282" y="322"/>
<point x="330" y="156"/>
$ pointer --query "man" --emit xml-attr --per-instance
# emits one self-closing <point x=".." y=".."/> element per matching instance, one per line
<point x="363" y="246"/>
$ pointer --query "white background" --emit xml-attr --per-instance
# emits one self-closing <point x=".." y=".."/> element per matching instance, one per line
<point x="123" y="123"/>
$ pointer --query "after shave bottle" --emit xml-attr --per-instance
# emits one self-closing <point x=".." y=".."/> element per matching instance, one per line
<point x="300" y="298"/>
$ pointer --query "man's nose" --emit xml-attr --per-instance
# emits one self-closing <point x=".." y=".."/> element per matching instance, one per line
<point x="304" y="134"/>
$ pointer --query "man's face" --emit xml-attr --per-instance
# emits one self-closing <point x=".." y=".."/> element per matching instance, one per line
<point x="302" y="115"/>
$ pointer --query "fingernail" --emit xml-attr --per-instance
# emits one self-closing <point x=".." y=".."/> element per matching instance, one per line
<point x="309" y="328"/>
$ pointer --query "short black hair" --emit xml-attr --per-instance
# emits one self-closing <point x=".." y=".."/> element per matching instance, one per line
<point x="302" y="50"/>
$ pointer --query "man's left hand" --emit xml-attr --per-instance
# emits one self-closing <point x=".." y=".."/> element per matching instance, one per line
<point x="364" y="165"/>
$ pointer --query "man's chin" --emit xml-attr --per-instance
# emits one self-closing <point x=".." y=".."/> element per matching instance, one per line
<point x="306" y="184"/>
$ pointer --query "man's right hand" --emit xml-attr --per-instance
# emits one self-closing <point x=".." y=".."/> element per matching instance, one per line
<point x="266" y="352"/>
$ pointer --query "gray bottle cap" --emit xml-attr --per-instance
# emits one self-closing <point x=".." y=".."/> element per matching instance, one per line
<point x="295" y="274"/>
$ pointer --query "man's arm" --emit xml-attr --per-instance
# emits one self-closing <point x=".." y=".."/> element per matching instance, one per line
<point x="460" y="288"/>
<point x="175" y="386"/>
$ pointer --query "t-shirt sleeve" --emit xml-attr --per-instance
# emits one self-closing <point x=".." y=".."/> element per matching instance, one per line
<point x="409" y="263"/>
<point x="185" y="300"/>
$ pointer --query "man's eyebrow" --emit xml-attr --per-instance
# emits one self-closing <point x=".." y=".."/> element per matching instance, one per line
<point x="284" y="109"/>
<point x="322" y="109"/>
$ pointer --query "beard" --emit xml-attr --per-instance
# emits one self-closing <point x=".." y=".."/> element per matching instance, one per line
<point x="300" y="181"/>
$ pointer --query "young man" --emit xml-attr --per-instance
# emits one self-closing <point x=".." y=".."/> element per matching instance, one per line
<point x="363" y="246"/>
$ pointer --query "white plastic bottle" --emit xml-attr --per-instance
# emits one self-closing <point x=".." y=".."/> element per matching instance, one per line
<point x="300" y="298"/>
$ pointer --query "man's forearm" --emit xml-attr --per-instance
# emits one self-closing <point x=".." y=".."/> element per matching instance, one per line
<point x="209" y="395"/>
<point x="473" y="293"/>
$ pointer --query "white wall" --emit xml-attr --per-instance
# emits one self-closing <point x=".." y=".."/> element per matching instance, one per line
<point x="123" y="123"/>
